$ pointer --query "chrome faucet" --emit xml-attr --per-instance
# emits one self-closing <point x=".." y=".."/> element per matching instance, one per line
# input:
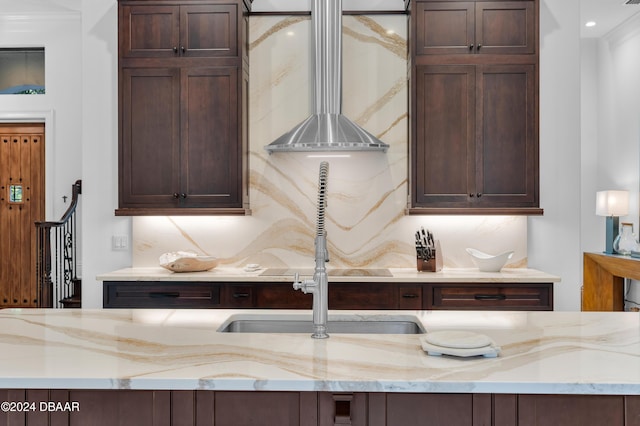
<point x="319" y="285"/>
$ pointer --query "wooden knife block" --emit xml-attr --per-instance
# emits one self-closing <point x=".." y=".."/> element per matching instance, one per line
<point x="434" y="264"/>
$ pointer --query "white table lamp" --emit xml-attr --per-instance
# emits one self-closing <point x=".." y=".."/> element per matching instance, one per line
<point x="612" y="204"/>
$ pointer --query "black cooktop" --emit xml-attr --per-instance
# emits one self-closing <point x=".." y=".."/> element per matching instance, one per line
<point x="350" y="272"/>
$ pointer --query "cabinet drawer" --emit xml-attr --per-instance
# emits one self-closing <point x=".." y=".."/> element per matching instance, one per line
<point x="282" y="296"/>
<point x="535" y="297"/>
<point x="361" y="296"/>
<point x="238" y="296"/>
<point x="410" y="296"/>
<point x="160" y="295"/>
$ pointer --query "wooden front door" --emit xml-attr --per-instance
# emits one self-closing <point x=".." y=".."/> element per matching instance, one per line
<point x="21" y="204"/>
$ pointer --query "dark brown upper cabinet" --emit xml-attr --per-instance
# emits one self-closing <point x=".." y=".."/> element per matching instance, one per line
<point x="483" y="27"/>
<point x="158" y="31"/>
<point x="474" y="108"/>
<point x="183" y="88"/>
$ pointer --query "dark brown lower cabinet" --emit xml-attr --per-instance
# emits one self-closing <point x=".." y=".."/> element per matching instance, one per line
<point x="342" y="295"/>
<point x="417" y="409"/>
<point x="263" y="408"/>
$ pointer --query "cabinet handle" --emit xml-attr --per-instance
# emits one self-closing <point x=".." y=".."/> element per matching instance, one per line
<point x="471" y="47"/>
<point x="176" y="195"/>
<point x="472" y="195"/>
<point x="183" y="49"/>
<point x="479" y="194"/>
<point x="183" y="195"/>
<point x="165" y="294"/>
<point x="410" y="296"/>
<point x="489" y="297"/>
<point x="240" y="295"/>
<point x="479" y="46"/>
<point x="175" y="49"/>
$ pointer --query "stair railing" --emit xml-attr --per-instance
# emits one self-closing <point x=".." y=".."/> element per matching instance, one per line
<point x="56" y="259"/>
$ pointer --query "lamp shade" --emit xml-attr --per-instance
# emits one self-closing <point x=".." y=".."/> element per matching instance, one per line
<point x="612" y="203"/>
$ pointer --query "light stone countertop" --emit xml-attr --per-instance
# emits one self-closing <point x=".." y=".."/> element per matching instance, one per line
<point x="400" y="275"/>
<point x="542" y="352"/>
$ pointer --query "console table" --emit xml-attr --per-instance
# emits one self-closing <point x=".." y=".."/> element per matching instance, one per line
<point x="603" y="280"/>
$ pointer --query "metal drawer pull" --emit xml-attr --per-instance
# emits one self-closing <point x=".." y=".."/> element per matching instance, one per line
<point x="489" y="297"/>
<point x="240" y="295"/>
<point x="159" y="294"/>
<point x="410" y="296"/>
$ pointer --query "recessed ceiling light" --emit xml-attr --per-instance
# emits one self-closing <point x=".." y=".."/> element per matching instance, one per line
<point x="590" y="24"/>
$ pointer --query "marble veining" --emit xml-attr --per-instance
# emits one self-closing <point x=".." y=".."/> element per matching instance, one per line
<point x="542" y="352"/>
<point x="367" y="193"/>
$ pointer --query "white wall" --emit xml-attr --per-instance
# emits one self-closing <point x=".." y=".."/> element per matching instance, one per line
<point x="554" y="239"/>
<point x="592" y="226"/>
<point x="618" y="74"/>
<point x="100" y="148"/>
<point x="611" y="127"/>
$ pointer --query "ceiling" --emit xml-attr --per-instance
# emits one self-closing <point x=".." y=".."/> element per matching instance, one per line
<point x="39" y="6"/>
<point x="607" y="14"/>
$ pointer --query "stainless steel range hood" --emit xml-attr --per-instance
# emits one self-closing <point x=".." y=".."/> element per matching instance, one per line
<point x="327" y="129"/>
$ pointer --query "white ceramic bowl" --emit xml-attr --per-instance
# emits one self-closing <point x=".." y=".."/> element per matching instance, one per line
<point x="487" y="262"/>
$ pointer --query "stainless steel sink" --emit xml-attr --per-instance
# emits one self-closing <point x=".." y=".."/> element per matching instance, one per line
<point x="339" y="325"/>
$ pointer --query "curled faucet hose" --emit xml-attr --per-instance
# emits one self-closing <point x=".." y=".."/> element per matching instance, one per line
<point x="322" y="197"/>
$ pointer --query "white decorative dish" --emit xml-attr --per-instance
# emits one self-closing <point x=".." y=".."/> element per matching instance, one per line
<point x="487" y="262"/>
<point x="186" y="261"/>
<point x="459" y="343"/>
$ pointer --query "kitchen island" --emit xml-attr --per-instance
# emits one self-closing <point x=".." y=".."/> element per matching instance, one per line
<point x="153" y="359"/>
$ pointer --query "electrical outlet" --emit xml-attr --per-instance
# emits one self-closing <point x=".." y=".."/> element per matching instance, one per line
<point x="119" y="242"/>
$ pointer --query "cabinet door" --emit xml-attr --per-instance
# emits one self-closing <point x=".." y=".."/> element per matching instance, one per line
<point x="149" y="31"/>
<point x="209" y="30"/>
<point x="121" y="408"/>
<point x="507" y="140"/>
<point x="149" y="139"/>
<point x="257" y="408"/>
<point x="582" y="410"/>
<point x="484" y="27"/>
<point x="445" y="28"/>
<point x="404" y="409"/>
<point x="443" y="155"/>
<point x="211" y="168"/>
<point x="505" y="27"/>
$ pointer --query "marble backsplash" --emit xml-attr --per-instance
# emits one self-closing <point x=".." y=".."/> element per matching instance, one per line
<point x="367" y="192"/>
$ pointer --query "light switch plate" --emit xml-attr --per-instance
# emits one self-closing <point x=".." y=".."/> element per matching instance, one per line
<point x="119" y="242"/>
